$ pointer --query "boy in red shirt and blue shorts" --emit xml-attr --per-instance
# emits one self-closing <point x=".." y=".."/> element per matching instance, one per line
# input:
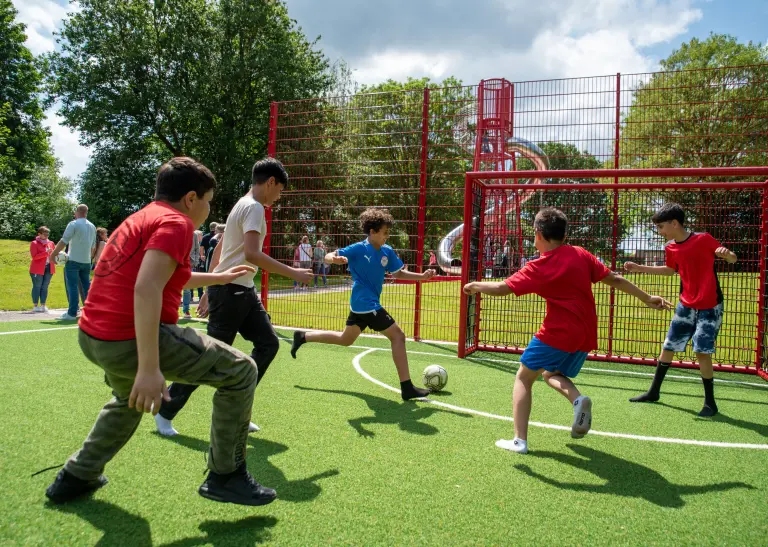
<point x="699" y="313"/>
<point x="563" y="275"/>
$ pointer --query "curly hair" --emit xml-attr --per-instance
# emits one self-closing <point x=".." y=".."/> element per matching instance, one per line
<point x="375" y="219"/>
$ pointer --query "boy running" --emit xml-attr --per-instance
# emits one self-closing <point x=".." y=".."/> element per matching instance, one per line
<point x="563" y="276"/>
<point x="235" y="307"/>
<point x="146" y="264"/>
<point x="699" y="313"/>
<point x="369" y="260"/>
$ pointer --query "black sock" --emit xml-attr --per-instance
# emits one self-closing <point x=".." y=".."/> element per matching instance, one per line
<point x="710" y="407"/>
<point x="409" y="391"/>
<point x="299" y="339"/>
<point x="652" y="395"/>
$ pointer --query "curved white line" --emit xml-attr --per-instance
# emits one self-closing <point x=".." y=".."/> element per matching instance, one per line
<point x="356" y="363"/>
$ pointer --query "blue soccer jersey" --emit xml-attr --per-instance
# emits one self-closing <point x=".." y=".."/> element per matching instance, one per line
<point x="368" y="267"/>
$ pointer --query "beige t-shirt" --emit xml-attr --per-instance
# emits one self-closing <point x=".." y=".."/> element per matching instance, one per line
<point x="246" y="216"/>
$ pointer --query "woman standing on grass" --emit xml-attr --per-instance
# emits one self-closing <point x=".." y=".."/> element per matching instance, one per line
<point x="101" y="242"/>
<point x="41" y="269"/>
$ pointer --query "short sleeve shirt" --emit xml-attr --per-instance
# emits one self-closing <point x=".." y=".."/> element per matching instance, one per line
<point x="694" y="260"/>
<point x="368" y="267"/>
<point x="246" y="216"/>
<point x="108" y="314"/>
<point x="564" y="277"/>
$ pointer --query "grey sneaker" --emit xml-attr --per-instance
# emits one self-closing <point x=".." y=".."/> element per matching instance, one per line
<point x="582" y="417"/>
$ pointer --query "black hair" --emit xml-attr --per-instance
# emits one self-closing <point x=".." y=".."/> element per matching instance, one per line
<point x="267" y="168"/>
<point x="179" y="176"/>
<point x="551" y="223"/>
<point x="669" y="211"/>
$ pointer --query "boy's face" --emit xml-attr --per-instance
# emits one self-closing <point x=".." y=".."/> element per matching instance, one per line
<point x="272" y="192"/>
<point x="667" y="229"/>
<point x="198" y="208"/>
<point x="379" y="238"/>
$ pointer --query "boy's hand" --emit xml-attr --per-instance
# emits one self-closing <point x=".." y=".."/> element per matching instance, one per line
<point x="303" y="276"/>
<point x="471" y="288"/>
<point x="202" y="306"/>
<point x="339" y="260"/>
<point x="148" y="391"/>
<point x="631" y="267"/>
<point x="429" y="274"/>
<point x="726" y="254"/>
<point x="233" y="273"/>
<point x="658" y="303"/>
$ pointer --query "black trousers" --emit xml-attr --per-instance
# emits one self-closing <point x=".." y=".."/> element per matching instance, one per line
<point x="232" y="309"/>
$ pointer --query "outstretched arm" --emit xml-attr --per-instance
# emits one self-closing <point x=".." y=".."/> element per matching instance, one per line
<point x="653" y="270"/>
<point x="726" y="254"/>
<point x="626" y="286"/>
<point x="494" y="288"/>
<point x="413" y="276"/>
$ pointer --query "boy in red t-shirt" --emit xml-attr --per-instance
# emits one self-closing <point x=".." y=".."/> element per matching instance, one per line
<point x="699" y="313"/>
<point x="563" y="276"/>
<point x="147" y="265"/>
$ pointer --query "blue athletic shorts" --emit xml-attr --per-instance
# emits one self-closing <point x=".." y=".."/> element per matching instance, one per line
<point x="701" y="325"/>
<point x="539" y="355"/>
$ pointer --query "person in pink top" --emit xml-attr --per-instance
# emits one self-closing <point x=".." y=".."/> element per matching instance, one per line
<point x="41" y="268"/>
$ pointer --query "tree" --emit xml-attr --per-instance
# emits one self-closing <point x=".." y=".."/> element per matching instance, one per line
<point x="50" y="202"/>
<point x="184" y="77"/>
<point x="23" y="139"/>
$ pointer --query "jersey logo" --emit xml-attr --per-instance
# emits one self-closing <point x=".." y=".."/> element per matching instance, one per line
<point x="368" y="258"/>
<point x="384" y="261"/>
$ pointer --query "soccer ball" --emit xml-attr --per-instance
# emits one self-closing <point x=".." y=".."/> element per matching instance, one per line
<point x="62" y="258"/>
<point x="435" y="378"/>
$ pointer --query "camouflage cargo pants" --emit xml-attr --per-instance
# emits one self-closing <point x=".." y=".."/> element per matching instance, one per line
<point x="185" y="356"/>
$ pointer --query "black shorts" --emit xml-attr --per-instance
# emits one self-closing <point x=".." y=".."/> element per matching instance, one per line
<point x="378" y="320"/>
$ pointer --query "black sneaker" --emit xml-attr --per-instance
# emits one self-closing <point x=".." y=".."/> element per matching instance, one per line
<point x="67" y="487"/>
<point x="237" y="487"/>
<point x="298" y="341"/>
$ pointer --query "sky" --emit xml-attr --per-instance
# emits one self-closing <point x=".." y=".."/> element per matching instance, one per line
<point x="469" y="39"/>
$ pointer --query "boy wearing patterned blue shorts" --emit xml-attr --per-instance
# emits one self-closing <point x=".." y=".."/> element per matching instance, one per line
<point x="699" y="313"/>
<point x="369" y="261"/>
<point x="563" y="275"/>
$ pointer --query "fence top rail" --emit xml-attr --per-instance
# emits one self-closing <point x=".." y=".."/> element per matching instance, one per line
<point x="624" y="173"/>
<point x="628" y="186"/>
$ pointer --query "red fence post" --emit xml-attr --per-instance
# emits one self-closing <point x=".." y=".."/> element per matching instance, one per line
<point x="615" y="236"/>
<point x="271" y="150"/>
<point x="465" y="258"/>
<point x="422" y="213"/>
<point x="761" y="288"/>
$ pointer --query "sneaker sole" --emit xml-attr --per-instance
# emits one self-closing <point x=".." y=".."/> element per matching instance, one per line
<point x="250" y="501"/>
<point x="578" y="430"/>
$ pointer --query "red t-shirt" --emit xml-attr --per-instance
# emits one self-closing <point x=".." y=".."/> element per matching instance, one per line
<point x="694" y="260"/>
<point x="109" y="312"/>
<point x="564" y="277"/>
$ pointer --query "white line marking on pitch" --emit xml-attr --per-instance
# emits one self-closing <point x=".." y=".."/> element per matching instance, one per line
<point x="356" y="363"/>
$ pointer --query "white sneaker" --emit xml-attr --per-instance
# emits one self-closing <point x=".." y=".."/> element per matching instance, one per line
<point x="37" y="309"/>
<point x="253" y="428"/>
<point x="515" y="445"/>
<point x="44" y="309"/>
<point x="582" y="417"/>
<point x="165" y="427"/>
<point x="66" y="317"/>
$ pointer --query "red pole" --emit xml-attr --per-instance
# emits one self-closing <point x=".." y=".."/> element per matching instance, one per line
<point x="465" y="258"/>
<point x="517" y="194"/>
<point x="615" y="236"/>
<point x="761" y="288"/>
<point x="271" y="151"/>
<point x="422" y="211"/>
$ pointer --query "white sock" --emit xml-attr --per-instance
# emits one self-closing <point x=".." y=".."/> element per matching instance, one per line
<point x="252" y="428"/>
<point x="165" y="427"/>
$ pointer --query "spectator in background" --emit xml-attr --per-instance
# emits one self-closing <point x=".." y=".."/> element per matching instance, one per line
<point x="305" y="256"/>
<point x="194" y="258"/>
<point x="101" y="242"/>
<point x="80" y="235"/>
<point x="41" y="269"/>
<point x="199" y="266"/>
<point x="319" y="266"/>
<point x="505" y="258"/>
<point x="205" y="243"/>
<point x="217" y="235"/>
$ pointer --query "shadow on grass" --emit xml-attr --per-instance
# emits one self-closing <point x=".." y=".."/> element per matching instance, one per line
<point x="116" y="523"/>
<point x="623" y="478"/>
<point x="760" y="429"/>
<point x="223" y="533"/>
<point x="407" y="416"/>
<point x="265" y="472"/>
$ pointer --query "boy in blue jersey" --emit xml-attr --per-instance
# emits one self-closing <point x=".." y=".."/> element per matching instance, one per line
<point x="369" y="261"/>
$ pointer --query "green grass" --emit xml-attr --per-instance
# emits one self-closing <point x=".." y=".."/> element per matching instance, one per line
<point x="355" y="465"/>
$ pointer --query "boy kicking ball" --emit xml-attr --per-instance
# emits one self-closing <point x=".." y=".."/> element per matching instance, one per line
<point x="563" y="276"/>
<point x="369" y="261"/>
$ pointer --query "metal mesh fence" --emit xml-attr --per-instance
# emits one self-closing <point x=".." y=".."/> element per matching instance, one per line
<point x="613" y="222"/>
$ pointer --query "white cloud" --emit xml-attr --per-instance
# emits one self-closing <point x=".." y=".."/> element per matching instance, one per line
<point x="42" y="18"/>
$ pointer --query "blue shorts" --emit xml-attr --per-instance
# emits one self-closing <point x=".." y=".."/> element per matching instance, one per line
<point x="701" y="325"/>
<point x="539" y="355"/>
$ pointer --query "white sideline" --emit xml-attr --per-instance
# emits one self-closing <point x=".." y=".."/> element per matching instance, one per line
<point x="670" y="440"/>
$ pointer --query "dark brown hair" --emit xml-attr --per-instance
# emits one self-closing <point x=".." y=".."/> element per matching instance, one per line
<point x="551" y="223"/>
<point x="179" y="176"/>
<point x="375" y="219"/>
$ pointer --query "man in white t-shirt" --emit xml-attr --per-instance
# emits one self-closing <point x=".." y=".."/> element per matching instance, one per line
<point x="235" y="308"/>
